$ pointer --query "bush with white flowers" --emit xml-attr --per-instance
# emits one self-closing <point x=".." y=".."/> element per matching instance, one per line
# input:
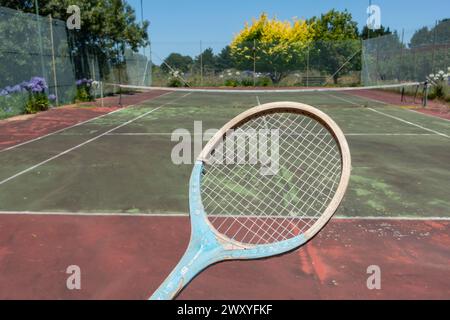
<point x="176" y="79"/>
<point x="439" y="84"/>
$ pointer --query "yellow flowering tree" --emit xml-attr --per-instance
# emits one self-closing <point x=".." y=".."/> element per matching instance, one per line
<point x="272" y="46"/>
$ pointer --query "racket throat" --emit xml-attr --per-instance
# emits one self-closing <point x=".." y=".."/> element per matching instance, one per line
<point x="200" y="254"/>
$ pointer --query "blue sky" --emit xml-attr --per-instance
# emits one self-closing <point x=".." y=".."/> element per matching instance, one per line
<point x="179" y="25"/>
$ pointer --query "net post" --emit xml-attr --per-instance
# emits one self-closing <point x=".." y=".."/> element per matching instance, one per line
<point x="425" y="95"/>
<point x="101" y="94"/>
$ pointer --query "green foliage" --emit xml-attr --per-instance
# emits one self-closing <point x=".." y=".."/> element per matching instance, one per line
<point x="107" y="28"/>
<point x="336" y="46"/>
<point x="207" y="59"/>
<point x="263" y="82"/>
<point x="37" y="102"/>
<point x="247" y="82"/>
<point x="334" y="25"/>
<point x="366" y="33"/>
<point x="12" y="105"/>
<point x="175" y="83"/>
<point x="224" y="59"/>
<point x="83" y="94"/>
<point x="440" y="34"/>
<point x="231" y="83"/>
<point x="176" y="61"/>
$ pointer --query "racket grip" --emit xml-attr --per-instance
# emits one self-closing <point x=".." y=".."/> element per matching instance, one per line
<point x="197" y="258"/>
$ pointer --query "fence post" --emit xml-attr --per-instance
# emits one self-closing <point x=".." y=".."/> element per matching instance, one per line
<point x="41" y="49"/>
<point x="434" y="48"/>
<point x="307" y="67"/>
<point x="55" y="81"/>
<point x="201" y="63"/>
<point x="254" y="62"/>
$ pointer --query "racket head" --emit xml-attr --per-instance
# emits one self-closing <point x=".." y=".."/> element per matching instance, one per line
<point x="209" y="243"/>
<point x="317" y="141"/>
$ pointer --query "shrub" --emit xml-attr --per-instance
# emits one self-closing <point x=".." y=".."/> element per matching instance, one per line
<point x="264" y="82"/>
<point x="84" y="91"/>
<point x="26" y="97"/>
<point x="231" y="83"/>
<point x="175" y="83"/>
<point x="37" y="98"/>
<point x="247" y="82"/>
<point x="12" y="103"/>
<point x="37" y="102"/>
<point x="439" y="85"/>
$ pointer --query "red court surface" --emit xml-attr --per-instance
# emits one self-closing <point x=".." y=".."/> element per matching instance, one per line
<point x="126" y="257"/>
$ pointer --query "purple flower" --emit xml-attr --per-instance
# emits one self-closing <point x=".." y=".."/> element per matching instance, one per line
<point x="36" y="85"/>
<point x="16" y="89"/>
<point x="38" y="82"/>
<point x="79" y="82"/>
<point x="52" y="97"/>
<point x="3" y="93"/>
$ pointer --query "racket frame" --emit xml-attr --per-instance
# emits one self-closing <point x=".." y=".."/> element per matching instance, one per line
<point x="207" y="246"/>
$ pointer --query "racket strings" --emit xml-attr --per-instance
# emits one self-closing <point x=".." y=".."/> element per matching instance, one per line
<point x="251" y="208"/>
<point x="281" y="224"/>
<point x="263" y="226"/>
<point x="314" y="200"/>
<point x="290" y="205"/>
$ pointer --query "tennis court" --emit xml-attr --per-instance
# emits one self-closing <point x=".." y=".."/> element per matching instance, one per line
<point x="103" y="193"/>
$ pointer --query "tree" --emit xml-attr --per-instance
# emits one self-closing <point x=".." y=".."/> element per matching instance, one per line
<point x="224" y="60"/>
<point x="273" y="46"/>
<point x="108" y="27"/>
<point x="178" y="62"/>
<point x="439" y="34"/>
<point x="429" y="50"/>
<point x="367" y="33"/>
<point x="337" y="47"/>
<point x="207" y="60"/>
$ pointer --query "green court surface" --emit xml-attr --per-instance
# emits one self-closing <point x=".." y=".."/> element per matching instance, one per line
<point x="122" y="163"/>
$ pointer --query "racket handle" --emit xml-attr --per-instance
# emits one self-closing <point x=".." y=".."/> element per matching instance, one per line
<point x="197" y="258"/>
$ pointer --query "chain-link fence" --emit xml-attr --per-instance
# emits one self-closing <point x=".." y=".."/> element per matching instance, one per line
<point x="388" y="59"/>
<point x="34" y="47"/>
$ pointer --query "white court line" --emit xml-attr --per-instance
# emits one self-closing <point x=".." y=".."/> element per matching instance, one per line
<point x="389" y="134"/>
<point x="178" y="215"/>
<point x="83" y="144"/>
<point x="410" y="123"/>
<point x="345" y="100"/>
<point x="394" y="117"/>
<point x="68" y="128"/>
<point x="428" y="115"/>
<point x="137" y="134"/>
<point x="258" y="101"/>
